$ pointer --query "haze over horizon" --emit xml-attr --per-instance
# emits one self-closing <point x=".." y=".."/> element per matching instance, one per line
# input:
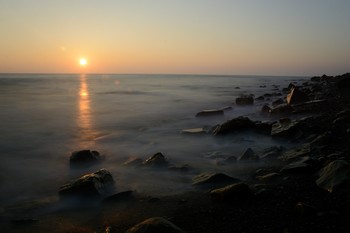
<point x="175" y="37"/>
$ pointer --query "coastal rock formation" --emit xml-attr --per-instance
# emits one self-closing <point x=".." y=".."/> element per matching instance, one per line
<point x="236" y="124"/>
<point x="155" y="225"/>
<point x="213" y="180"/>
<point x="296" y="96"/>
<point x="156" y="160"/>
<point x="285" y="128"/>
<point x="84" y="157"/>
<point x="233" y="192"/>
<point x="91" y="185"/>
<point x="245" y="100"/>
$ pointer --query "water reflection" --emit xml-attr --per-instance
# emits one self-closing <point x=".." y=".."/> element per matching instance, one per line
<point x="87" y="134"/>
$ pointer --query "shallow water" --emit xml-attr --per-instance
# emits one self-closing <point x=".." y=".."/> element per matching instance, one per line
<point x="46" y="117"/>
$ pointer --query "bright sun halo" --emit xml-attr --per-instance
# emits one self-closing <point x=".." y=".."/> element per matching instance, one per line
<point x="83" y="61"/>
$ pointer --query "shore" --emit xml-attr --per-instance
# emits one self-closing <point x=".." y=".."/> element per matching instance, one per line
<point x="303" y="189"/>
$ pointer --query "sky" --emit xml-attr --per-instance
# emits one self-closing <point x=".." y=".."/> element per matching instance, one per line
<point x="247" y="37"/>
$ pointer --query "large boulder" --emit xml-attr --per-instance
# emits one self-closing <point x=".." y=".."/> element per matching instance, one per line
<point x="213" y="180"/>
<point x="91" y="185"/>
<point x="84" y="157"/>
<point x="335" y="177"/>
<point x="155" y="225"/>
<point x="233" y="192"/>
<point x="245" y="100"/>
<point x="296" y="96"/>
<point x="156" y="160"/>
<point x="236" y="124"/>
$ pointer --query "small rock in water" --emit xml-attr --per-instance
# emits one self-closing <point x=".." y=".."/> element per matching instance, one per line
<point x="84" y="157"/>
<point x="156" y="160"/>
<point x="213" y="180"/>
<point x="249" y="154"/>
<point x="194" y="131"/>
<point x="155" y="225"/>
<point x="214" y="112"/>
<point x="236" y="124"/>
<point x="245" y="100"/>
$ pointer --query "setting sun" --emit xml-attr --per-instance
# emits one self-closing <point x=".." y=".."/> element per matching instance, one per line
<point x="83" y="61"/>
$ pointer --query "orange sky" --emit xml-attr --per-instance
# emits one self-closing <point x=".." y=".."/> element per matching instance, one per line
<point x="196" y="37"/>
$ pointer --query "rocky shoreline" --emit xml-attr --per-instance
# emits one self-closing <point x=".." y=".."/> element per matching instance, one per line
<point x="303" y="189"/>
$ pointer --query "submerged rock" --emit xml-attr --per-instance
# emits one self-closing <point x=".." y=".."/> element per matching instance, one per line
<point x="156" y="160"/>
<point x="233" y="192"/>
<point x="213" y="180"/>
<point x="236" y="124"/>
<point x="155" y="225"/>
<point x="134" y="162"/>
<point x="335" y="177"/>
<point x="84" y="157"/>
<point x="213" y="112"/>
<point x="91" y="185"/>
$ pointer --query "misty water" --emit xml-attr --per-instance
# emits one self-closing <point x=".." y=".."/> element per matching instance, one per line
<point x="45" y="117"/>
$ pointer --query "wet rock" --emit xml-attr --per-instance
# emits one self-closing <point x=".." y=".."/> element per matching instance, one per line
<point x="91" y="185"/>
<point x="270" y="177"/>
<point x="194" y="131"/>
<point x="277" y="102"/>
<point x="231" y="159"/>
<point x="213" y="180"/>
<point x="271" y="153"/>
<point x="297" y="168"/>
<point x="296" y="96"/>
<point x="260" y="98"/>
<point x="236" y="124"/>
<point x="263" y="127"/>
<point x="284" y="128"/>
<point x="134" y="162"/>
<point x="182" y="168"/>
<point x="155" y="225"/>
<point x="335" y="177"/>
<point x="302" y="209"/>
<point x="156" y="160"/>
<point x="84" y="157"/>
<point x="245" y="100"/>
<point x="265" y="109"/>
<point x="233" y="192"/>
<point x="213" y="112"/>
<point x="118" y="197"/>
<point x="313" y="106"/>
<point x="296" y="153"/>
<point x="282" y="109"/>
<point x="249" y="155"/>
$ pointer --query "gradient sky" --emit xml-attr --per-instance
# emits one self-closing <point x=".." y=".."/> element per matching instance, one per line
<point x="267" y="37"/>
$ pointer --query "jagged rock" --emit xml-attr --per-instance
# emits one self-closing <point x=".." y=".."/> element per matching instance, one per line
<point x="245" y="100"/>
<point x="265" y="109"/>
<point x="249" y="154"/>
<point x="213" y="112"/>
<point x="213" y="180"/>
<point x="296" y="96"/>
<point x="277" y="102"/>
<point x="156" y="160"/>
<point x="271" y="153"/>
<point x="285" y="129"/>
<point x="297" y="168"/>
<point x="90" y="185"/>
<point x="296" y="153"/>
<point x="263" y="127"/>
<point x="335" y="177"/>
<point x="194" y="131"/>
<point x="281" y="109"/>
<point x="233" y="192"/>
<point x="155" y="225"/>
<point x="236" y="124"/>
<point x="84" y="157"/>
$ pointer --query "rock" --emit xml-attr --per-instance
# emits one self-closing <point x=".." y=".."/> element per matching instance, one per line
<point x="311" y="106"/>
<point x="277" y="102"/>
<point x="335" y="177"/>
<point x="84" y="157"/>
<point x="285" y="129"/>
<point x="269" y="177"/>
<point x="245" y="100"/>
<point x="249" y="154"/>
<point x="194" y="131"/>
<point x="263" y="127"/>
<point x="182" y="168"/>
<point x="135" y="162"/>
<point x="281" y="109"/>
<point x="155" y="225"/>
<point x="213" y="180"/>
<point x="156" y="160"/>
<point x="343" y="81"/>
<point x="233" y="192"/>
<point x="260" y="98"/>
<point x="236" y="124"/>
<point x="265" y="109"/>
<point x="231" y="159"/>
<point x="271" y="153"/>
<point x="213" y="112"/>
<point x="303" y="209"/>
<point x="297" y="168"/>
<point x="118" y="197"/>
<point x="296" y="153"/>
<point x="296" y="96"/>
<point x="91" y="185"/>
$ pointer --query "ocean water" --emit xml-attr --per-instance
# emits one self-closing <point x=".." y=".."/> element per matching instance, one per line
<point x="44" y="117"/>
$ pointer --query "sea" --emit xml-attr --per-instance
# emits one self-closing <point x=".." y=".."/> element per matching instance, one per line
<point x="46" y="117"/>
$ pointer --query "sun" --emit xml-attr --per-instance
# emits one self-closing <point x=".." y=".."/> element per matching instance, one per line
<point x="83" y="61"/>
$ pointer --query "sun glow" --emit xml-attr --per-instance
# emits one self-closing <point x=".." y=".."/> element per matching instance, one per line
<point x="83" y="61"/>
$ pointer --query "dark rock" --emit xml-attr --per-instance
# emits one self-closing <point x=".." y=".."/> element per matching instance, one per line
<point x="260" y="98"/>
<point x="24" y="221"/>
<point x="263" y="127"/>
<point x="156" y="160"/>
<point x="265" y="109"/>
<point x="249" y="154"/>
<point x="343" y="81"/>
<point x="236" y="124"/>
<point x="271" y="153"/>
<point x="183" y="168"/>
<point x="335" y="177"/>
<point x="135" y="162"/>
<point x="313" y="106"/>
<point x="245" y="100"/>
<point x="270" y="177"/>
<point x="296" y="153"/>
<point x="277" y="102"/>
<point x="231" y="159"/>
<point x="213" y="180"/>
<point x="262" y="86"/>
<point x="296" y="96"/>
<point x="194" y="131"/>
<point x="285" y="129"/>
<point x="237" y="88"/>
<point x="91" y="185"/>
<point x="155" y="225"/>
<point x="233" y="192"/>
<point x="84" y="157"/>
<point x="302" y="209"/>
<point x="282" y="109"/>
<point x="297" y="168"/>
<point x="213" y="112"/>
<point x="118" y="197"/>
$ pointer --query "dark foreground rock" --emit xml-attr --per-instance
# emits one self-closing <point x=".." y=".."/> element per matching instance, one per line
<point x="233" y="192"/>
<point x="155" y="225"/>
<point x="213" y="180"/>
<point x="91" y="185"/>
<point x="236" y="124"/>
